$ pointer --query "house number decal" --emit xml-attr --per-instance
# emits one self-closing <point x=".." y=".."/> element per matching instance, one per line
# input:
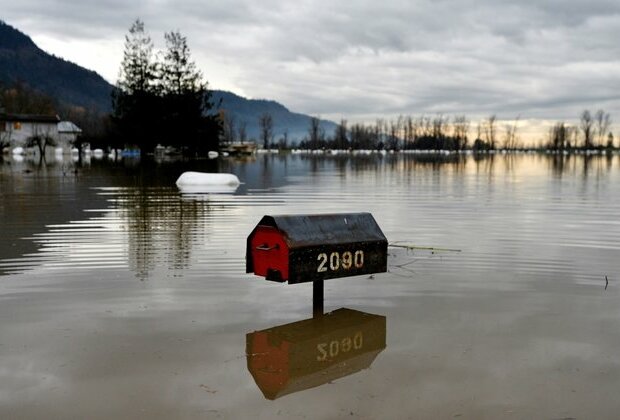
<point x="337" y="261"/>
<point x="333" y="348"/>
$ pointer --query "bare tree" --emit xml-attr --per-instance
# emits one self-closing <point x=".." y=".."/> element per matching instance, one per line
<point x="602" y="120"/>
<point x="460" y="126"/>
<point x="341" y="140"/>
<point x="439" y="127"/>
<point x="586" y="124"/>
<point x="229" y="128"/>
<point x="316" y="134"/>
<point x="490" y="131"/>
<point x="242" y="132"/>
<point x="41" y="138"/>
<point x="510" y="137"/>
<point x="479" y="131"/>
<point x="265" y="123"/>
<point x="559" y="136"/>
<point x="410" y="132"/>
<point x="393" y="134"/>
<point x="283" y="143"/>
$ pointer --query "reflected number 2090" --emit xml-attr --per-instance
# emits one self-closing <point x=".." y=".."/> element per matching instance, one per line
<point x="336" y="261"/>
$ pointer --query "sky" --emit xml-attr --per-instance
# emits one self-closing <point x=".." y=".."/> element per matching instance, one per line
<point x="540" y="61"/>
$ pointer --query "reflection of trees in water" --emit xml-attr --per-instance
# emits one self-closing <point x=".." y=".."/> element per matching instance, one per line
<point x="162" y="228"/>
<point x="585" y="165"/>
<point x="391" y="162"/>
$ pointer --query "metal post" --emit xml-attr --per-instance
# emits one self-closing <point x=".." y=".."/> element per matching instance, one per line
<point x="317" y="298"/>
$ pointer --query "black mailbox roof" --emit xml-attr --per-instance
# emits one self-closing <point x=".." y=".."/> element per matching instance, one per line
<point x="325" y="229"/>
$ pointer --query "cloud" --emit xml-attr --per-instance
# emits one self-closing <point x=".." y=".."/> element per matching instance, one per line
<point x="366" y="58"/>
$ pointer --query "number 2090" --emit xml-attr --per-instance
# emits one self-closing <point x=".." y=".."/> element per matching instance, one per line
<point x="337" y="261"/>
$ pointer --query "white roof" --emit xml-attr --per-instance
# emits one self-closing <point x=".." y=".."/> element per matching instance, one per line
<point x="68" y="127"/>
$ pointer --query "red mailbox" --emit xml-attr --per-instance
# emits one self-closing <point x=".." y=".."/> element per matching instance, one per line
<point x="303" y="248"/>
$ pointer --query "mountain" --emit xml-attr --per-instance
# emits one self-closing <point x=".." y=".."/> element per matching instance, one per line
<point x="250" y="110"/>
<point x="22" y="61"/>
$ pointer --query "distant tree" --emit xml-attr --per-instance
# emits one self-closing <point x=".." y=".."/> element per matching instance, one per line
<point x="586" y="124"/>
<point x="265" y="123"/>
<point x="510" y="136"/>
<point x="186" y="99"/>
<point x="602" y="121"/>
<point x="394" y="133"/>
<point x="242" y="131"/>
<point x="283" y="142"/>
<point x="229" y="130"/>
<point x="341" y="138"/>
<point x="135" y="103"/>
<point x="460" y="129"/>
<point x="610" y="140"/>
<point x="316" y="135"/>
<point x="559" y="136"/>
<point x="163" y="102"/>
<point x="490" y="131"/>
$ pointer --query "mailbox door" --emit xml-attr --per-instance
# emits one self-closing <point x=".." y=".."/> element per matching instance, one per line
<point x="270" y="254"/>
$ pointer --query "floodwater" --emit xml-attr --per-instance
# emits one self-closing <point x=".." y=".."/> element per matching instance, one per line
<point x="121" y="297"/>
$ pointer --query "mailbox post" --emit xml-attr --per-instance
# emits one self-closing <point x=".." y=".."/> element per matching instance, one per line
<point x="304" y="248"/>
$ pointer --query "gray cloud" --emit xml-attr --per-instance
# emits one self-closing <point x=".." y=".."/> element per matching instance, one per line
<point x="366" y="58"/>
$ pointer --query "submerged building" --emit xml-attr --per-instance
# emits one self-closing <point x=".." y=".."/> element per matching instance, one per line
<point x="19" y="130"/>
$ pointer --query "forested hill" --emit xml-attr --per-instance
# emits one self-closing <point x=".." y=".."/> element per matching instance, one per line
<point x="22" y="61"/>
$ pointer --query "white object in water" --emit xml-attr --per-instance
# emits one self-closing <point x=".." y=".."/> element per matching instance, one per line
<point x="18" y="151"/>
<point x="207" y="182"/>
<point x="58" y="151"/>
<point x="213" y="155"/>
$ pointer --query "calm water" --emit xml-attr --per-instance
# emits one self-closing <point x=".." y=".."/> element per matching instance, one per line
<point x="120" y="297"/>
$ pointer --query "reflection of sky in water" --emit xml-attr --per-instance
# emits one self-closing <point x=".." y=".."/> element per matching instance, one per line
<point x="115" y="284"/>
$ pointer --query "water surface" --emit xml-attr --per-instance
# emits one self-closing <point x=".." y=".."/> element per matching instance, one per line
<point x="121" y="297"/>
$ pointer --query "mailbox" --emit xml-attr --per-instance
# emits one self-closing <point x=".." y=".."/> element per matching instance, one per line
<point x="303" y="248"/>
<point x="305" y="354"/>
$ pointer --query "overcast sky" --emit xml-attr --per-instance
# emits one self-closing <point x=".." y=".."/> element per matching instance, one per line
<point x="364" y="59"/>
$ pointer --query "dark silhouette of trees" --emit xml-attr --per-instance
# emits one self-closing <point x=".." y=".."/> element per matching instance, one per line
<point x="586" y="124"/>
<point x="135" y="101"/>
<point x="559" y="136"/>
<point x="602" y="122"/>
<point x="265" y="123"/>
<point x="242" y="131"/>
<point x="460" y="128"/>
<point x="316" y="134"/>
<point x="341" y="139"/>
<point x="229" y="129"/>
<point x="490" y="131"/>
<point x="511" y="138"/>
<point x="163" y="102"/>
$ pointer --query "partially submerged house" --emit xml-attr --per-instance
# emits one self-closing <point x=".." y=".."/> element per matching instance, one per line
<point x="67" y="134"/>
<point x="17" y="130"/>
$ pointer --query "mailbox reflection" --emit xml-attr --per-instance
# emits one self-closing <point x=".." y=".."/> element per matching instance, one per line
<point x="305" y="354"/>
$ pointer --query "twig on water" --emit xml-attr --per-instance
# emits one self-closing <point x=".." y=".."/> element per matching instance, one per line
<point x="425" y="248"/>
<point x="606" y="282"/>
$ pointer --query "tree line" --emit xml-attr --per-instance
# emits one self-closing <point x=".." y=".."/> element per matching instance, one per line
<point x="453" y="133"/>
<point x="432" y="133"/>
